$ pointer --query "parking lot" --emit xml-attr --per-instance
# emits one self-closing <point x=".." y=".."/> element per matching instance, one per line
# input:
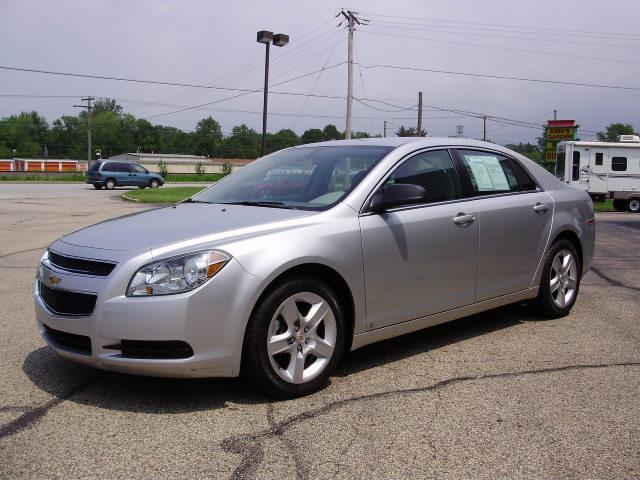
<point x="500" y="394"/>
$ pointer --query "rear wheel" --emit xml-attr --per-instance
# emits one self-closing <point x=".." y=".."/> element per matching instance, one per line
<point x="294" y="338"/>
<point x="110" y="184"/>
<point x="560" y="280"/>
<point x="154" y="183"/>
<point x="620" y="205"/>
<point x="634" y="205"/>
<point x="97" y="186"/>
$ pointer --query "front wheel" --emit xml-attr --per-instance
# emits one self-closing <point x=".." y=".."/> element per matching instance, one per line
<point x="634" y="205"/>
<point x="294" y="338"/>
<point x="560" y="280"/>
<point x="154" y="183"/>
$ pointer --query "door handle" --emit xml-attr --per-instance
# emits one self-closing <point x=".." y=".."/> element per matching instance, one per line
<point x="540" y="208"/>
<point x="462" y="219"/>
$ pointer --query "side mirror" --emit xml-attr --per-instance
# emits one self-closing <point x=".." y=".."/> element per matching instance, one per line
<point x="395" y="195"/>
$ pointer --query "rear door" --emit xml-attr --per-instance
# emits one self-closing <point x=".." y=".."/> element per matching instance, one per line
<point x="514" y="214"/>
<point x="125" y="175"/>
<point x="599" y="164"/>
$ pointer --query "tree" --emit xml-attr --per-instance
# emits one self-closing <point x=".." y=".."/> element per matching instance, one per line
<point x="102" y="105"/>
<point x="283" y="139"/>
<point x="331" y="132"/>
<point x="208" y="137"/>
<point x="529" y="150"/>
<point x="615" y="129"/>
<point x="244" y="142"/>
<point x="27" y="133"/>
<point x="360" y="135"/>
<point x="312" y="135"/>
<point x="409" y="132"/>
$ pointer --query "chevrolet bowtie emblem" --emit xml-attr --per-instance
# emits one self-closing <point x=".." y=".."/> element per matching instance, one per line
<point x="54" y="279"/>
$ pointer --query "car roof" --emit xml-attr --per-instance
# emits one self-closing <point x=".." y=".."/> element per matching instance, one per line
<point x="398" y="141"/>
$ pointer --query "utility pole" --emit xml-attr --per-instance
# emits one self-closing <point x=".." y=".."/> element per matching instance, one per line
<point x="484" y="136"/>
<point x="555" y="114"/>
<point x="352" y="19"/>
<point x="384" y="134"/>
<point x="419" y="132"/>
<point x="89" y="108"/>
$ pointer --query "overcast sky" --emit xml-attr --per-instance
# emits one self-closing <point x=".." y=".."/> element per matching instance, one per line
<point x="203" y="42"/>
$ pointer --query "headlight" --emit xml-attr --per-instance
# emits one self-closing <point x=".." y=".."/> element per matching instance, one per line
<point x="177" y="274"/>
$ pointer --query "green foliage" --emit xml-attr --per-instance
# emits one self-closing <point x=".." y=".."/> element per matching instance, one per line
<point x="356" y="135"/>
<point x="162" y="169"/>
<point x="116" y="132"/>
<point x="529" y="150"/>
<point x="226" y="168"/>
<point x="200" y="170"/>
<point x="331" y="132"/>
<point x="615" y="129"/>
<point x="312" y="135"/>
<point x="409" y="132"/>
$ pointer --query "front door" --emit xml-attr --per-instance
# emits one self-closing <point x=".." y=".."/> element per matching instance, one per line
<point x="420" y="259"/>
<point x="598" y="171"/>
<point x="515" y="222"/>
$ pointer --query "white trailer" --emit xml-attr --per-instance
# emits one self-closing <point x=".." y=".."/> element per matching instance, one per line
<point x="603" y="169"/>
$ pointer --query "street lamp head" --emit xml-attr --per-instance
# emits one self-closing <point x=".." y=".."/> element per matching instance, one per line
<point x="280" y="39"/>
<point x="265" y="36"/>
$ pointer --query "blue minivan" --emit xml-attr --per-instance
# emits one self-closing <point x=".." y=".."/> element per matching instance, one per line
<point x="122" y="174"/>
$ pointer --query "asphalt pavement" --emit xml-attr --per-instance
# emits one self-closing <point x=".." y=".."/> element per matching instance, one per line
<point x="503" y="394"/>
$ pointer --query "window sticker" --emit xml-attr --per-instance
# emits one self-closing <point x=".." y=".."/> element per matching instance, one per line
<point x="487" y="172"/>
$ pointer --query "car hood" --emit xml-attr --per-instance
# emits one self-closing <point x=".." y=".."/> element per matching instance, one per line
<point x="185" y="221"/>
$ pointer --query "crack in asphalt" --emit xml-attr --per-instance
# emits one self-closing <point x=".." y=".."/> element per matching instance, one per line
<point x="613" y="281"/>
<point x="22" y="251"/>
<point x="251" y="446"/>
<point x="32" y="415"/>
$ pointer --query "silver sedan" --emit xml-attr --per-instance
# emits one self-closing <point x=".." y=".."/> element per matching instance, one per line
<point x="374" y="239"/>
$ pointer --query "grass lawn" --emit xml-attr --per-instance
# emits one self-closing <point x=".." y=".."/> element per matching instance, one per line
<point x="606" y="206"/>
<point x="162" y="194"/>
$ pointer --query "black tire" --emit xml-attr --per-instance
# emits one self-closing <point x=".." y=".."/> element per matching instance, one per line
<point x="97" y="186"/>
<point x="142" y="187"/>
<point x="257" y="368"/>
<point x="154" y="183"/>
<point x="109" y="184"/>
<point x="620" y="205"/>
<point x="544" y="303"/>
<point x="634" y="205"/>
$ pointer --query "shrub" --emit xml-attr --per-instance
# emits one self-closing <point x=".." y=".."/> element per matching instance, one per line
<point x="200" y="170"/>
<point x="226" y="168"/>
<point x="162" y="169"/>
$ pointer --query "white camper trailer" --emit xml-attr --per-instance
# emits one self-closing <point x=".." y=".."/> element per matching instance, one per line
<point x="603" y="169"/>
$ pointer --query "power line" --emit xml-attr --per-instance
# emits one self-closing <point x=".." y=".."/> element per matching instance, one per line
<point x="503" y="77"/>
<point x="496" y="47"/>
<point x="562" y="30"/>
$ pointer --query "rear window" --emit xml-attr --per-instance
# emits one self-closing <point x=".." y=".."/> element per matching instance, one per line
<point x="575" y="170"/>
<point x="94" y="167"/>
<point x="524" y="179"/>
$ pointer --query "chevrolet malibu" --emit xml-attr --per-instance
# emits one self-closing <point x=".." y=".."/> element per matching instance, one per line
<point x="385" y="236"/>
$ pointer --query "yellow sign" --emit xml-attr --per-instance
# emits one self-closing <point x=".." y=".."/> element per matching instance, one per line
<point x="551" y="156"/>
<point x="560" y="133"/>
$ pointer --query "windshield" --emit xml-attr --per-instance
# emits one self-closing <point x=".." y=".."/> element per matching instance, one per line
<point x="311" y="178"/>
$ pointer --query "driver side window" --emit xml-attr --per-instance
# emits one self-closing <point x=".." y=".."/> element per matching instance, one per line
<point x="434" y="171"/>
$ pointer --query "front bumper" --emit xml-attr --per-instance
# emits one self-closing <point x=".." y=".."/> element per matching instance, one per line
<point x="210" y="319"/>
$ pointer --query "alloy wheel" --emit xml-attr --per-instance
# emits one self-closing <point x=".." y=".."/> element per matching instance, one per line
<point x="564" y="278"/>
<point x="634" y="205"/>
<point x="302" y="337"/>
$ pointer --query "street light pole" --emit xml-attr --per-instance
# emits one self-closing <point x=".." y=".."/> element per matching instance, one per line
<point x="279" y="40"/>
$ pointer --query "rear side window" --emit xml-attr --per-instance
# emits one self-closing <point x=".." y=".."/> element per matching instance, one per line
<point x="575" y="168"/>
<point x="434" y="171"/>
<point x="123" y="167"/>
<point x="599" y="158"/>
<point x="489" y="173"/>
<point x="619" y="164"/>
<point x="95" y="166"/>
<point x="525" y="181"/>
<point x="109" y="167"/>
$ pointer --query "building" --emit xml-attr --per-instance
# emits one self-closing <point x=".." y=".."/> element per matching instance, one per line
<point x="180" y="163"/>
<point x="235" y="163"/>
<point x="6" y="165"/>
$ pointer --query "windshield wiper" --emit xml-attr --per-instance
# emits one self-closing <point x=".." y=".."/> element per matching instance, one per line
<point x="191" y="200"/>
<point x="265" y="203"/>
